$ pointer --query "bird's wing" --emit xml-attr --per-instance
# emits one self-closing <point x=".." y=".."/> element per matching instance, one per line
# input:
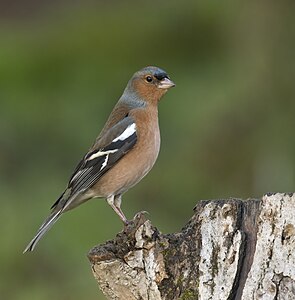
<point x="104" y="154"/>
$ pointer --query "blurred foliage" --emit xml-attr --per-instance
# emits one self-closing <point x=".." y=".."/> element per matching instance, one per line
<point x="227" y="128"/>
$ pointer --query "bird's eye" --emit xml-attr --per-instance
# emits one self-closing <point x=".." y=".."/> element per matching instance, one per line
<point x="149" y="79"/>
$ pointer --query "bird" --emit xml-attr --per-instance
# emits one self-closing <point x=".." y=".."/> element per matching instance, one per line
<point x="122" y="154"/>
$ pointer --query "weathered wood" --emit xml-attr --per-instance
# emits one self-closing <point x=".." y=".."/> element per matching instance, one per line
<point x="230" y="249"/>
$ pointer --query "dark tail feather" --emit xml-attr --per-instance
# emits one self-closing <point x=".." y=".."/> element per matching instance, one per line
<point x="43" y="229"/>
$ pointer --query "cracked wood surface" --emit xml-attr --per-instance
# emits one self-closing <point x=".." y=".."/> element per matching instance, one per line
<point x="229" y="249"/>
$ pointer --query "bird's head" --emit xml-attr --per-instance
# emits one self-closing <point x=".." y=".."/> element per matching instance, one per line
<point x="150" y="84"/>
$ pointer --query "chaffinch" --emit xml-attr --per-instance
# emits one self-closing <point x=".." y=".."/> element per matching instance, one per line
<point x="122" y="154"/>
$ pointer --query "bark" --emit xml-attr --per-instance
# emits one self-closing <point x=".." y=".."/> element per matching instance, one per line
<point x="229" y="249"/>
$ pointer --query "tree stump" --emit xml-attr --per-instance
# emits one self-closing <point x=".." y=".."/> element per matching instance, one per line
<point x="229" y="249"/>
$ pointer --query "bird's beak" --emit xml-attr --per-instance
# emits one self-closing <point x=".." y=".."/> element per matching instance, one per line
<point x="166" y="83"/>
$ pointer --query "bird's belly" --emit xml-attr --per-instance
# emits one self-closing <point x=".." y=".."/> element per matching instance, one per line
<point x="127" y="172"/>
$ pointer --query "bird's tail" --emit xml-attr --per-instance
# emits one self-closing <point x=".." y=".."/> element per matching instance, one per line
<point x="43" y="229"/>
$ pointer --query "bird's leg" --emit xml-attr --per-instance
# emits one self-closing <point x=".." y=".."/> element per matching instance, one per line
<point x="115" y="203"/>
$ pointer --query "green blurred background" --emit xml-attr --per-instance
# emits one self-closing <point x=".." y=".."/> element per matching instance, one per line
<point x="227" y="128"/>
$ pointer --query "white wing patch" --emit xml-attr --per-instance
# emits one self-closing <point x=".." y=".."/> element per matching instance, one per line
<point x="101" y="153"/>
<point x="105" y="162"/>
<point x="126" y="133"/>
<point x="97" y="162"/>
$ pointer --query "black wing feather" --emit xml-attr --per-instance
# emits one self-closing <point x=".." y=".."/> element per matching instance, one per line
<point x="89" y="171"/>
